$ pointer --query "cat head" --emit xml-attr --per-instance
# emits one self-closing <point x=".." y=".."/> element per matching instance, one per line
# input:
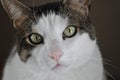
<point x="54" y="34"/>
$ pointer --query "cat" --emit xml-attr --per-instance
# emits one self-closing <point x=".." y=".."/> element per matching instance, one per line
<point x="55" y="41"/>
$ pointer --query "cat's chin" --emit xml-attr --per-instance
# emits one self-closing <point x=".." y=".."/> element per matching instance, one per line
<point x="57" y="66"/>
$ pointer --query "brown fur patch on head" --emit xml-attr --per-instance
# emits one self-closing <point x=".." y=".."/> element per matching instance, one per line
<point x="23" y="48"/>
<point x="24" y="55"/>
<point x="24" y="24"/>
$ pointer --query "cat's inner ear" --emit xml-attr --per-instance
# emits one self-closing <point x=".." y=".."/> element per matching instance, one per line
<point x="16" y="10"/>
<point x="79" y="5"/>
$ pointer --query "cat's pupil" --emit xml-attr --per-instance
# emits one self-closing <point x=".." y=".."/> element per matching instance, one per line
<point x="70" y="31"/>
<point x="35" y="38"/>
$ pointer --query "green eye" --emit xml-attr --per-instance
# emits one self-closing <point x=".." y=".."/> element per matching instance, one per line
<point x="35" y="39"/>
<point x="70" y="31"/>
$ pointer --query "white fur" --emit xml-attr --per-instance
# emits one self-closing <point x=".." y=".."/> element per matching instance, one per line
<point x="81" y="59"/>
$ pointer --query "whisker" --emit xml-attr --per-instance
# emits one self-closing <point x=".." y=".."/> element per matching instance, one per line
<point x="109" y="74"/>
<point x="108" y="62"/>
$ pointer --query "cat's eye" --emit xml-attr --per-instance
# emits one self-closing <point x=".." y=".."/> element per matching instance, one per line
<point x="70" y="31"/>
<point x="34" y="39"/>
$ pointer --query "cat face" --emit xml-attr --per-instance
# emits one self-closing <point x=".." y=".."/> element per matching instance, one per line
<point x="57" y="35"/>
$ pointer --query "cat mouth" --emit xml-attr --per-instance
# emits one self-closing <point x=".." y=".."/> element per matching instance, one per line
<point x="57" y="66"/>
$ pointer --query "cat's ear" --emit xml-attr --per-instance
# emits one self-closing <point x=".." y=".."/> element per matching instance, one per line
<point x="79" y="5"/>
<point x="15" y="9"/>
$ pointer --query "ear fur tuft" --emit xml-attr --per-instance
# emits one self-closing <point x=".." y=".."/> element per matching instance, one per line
<point x="79" y="5"/>
<point x="17" y="11"/>
<point x="14" y="8"/>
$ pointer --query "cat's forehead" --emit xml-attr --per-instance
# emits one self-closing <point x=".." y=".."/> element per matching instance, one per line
<point x="51" y="23"/>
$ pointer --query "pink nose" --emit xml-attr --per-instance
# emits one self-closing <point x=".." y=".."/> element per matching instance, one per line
<point x="56" y="55"/>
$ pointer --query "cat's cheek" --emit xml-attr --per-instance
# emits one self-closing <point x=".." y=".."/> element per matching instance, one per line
<point x="77" y="54"/>
<point x="74" y="61"/>
<point x="37" y="54"/>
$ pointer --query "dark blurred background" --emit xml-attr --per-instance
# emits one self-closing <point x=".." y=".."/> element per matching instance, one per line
<point x="105" y="15"/>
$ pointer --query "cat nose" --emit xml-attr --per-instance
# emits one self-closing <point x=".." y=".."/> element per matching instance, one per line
<point x="56" y="55"/>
